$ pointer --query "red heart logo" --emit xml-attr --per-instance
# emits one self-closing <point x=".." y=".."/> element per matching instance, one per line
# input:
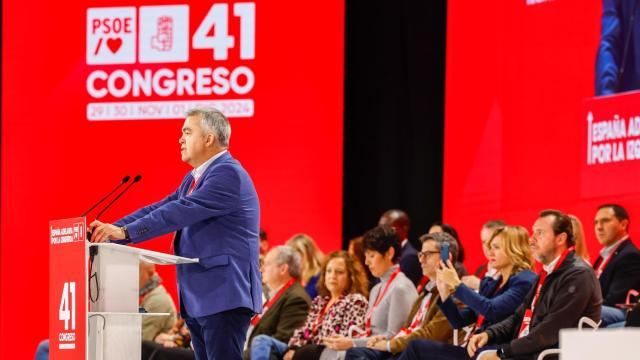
<point x="114" y="44"/>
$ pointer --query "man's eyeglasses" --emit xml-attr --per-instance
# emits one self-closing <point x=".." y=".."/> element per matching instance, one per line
<point x="426" y="254"/>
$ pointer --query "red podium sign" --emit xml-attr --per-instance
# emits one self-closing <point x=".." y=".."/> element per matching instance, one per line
<point x="67" y="289"/>
<point x="611" y="145"/>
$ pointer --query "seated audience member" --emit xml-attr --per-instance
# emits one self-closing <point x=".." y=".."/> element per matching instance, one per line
<point x="566" y="290"/>
<point x="618" y="266"/>
<point x="264" y="249"/>
<point x="446" y="228"/>
<point x="264" y="243"/>
<point x="288" y="303"/>
<point x="311" y="258"/>
<point x="409" y="264"/>
<point x="425" y="321"/>
<point x="579" y="239"/>
<point x="172" y="345"/>
<point x="339" y="305"/>
<point x="390" y="301"/>
<point x="356" y="249"/>
<point x="154" y="298"/>
<point x="473" y="281"/>
<point x="510" y="256"/>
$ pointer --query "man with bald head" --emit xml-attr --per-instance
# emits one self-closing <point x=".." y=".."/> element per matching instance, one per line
<point x="409" y="264"/>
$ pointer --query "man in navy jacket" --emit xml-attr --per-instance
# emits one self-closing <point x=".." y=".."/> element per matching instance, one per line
<point x="618" y="59"/>
<point x="215" y="214"/>
<point x="409" y="264"/>
<point x="618" y="265"/>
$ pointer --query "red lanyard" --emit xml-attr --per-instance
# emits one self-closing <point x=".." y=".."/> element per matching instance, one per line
<point x="417" y="318"/>
<point x="543" y="277"/>
<point x="528" y="314"/>
<point x="423" y="283"/>
<point x="379" y="299"/>
<point x="481" y="317"/>
<point x="604" y="263"/>
<point x="256" y="318"/>
<point x="320" y="317"/>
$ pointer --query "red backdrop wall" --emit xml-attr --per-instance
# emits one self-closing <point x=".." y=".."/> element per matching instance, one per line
<point x="56" y="162"/>
<point x="519" y="74"/>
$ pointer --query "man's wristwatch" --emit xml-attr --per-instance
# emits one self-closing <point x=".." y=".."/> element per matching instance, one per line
<point x="500" y="353"/>
<point x="126" y="233"/>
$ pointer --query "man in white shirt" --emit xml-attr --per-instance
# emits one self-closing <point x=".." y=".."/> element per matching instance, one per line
<point x="618" y="265"/>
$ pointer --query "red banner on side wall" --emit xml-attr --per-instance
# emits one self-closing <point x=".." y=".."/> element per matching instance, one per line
<point x="96" y="90"/>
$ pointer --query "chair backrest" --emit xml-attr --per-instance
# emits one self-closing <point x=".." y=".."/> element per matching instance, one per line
<point x="585" y="320"/>
<point x="633" y="317"/>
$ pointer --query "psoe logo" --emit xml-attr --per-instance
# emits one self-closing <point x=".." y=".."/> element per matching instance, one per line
<point x="78" y="231"/>
<point x="141" y="38"/>
<point x="114" y="37"/>
<point x="111" y="35"/>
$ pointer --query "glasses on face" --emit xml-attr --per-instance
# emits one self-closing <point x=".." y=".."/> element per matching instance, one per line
<point x="538" y="234"/>
<point x="426" y="254"/>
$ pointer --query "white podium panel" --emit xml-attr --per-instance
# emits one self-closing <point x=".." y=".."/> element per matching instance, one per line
<point x="114" y="331"/>
<point x="618" y="344"/>
<point x="114" y="336"/>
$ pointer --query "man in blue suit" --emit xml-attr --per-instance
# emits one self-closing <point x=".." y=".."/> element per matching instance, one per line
<point x="215" y="214"/>
<point x="618" y="59"/>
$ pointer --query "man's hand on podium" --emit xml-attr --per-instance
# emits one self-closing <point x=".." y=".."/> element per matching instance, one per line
<point x="102" y="232"/>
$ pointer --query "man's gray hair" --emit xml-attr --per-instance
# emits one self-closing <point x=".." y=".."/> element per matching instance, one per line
<point x="288" y="255"/>
<point x="213" y="122"/>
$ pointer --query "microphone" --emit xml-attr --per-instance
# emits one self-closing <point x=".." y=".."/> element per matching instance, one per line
<point x="135" y="180"/>
<point x="122" y="182"/>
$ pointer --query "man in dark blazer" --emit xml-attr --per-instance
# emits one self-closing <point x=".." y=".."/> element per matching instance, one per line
<point x="215" y="214"/>
<point x="566" y="291"/>
<point x="286" y="309"/>
<point x="618" y="265"/>
<point x="409" y="264"/>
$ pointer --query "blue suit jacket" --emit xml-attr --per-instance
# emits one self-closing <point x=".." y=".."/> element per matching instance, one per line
<point x="616" y="22"/>
<point x="218" y="223"/>
<point x="494" y="306"/>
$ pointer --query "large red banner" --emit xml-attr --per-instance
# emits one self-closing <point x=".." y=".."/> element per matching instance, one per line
<point x="524" y="130"/>
<point x="96" y="90"/>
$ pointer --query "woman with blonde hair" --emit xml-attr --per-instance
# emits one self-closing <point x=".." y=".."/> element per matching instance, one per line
<point x="578" y="237"/>
<point x="311" y="257"/>
<point x="509" y="254"/>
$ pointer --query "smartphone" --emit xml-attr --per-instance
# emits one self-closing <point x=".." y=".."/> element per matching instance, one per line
<point x="444" y="252"/>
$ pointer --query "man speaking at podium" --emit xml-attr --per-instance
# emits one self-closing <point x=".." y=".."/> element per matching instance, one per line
<point x="215" y="214"/>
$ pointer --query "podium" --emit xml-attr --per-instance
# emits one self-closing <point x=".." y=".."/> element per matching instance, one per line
<point x="94" y="293"/>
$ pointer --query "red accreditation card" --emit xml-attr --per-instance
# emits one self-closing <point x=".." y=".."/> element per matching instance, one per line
<point x="67" y="289"/>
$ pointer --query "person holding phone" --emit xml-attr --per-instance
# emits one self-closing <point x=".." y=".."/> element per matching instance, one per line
<point x="510" y="255"/>
<point x="426" y="320"/>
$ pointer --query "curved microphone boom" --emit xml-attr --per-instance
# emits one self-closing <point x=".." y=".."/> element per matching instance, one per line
<point x="122" y="182"/>
<point x="135" y="180"/>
